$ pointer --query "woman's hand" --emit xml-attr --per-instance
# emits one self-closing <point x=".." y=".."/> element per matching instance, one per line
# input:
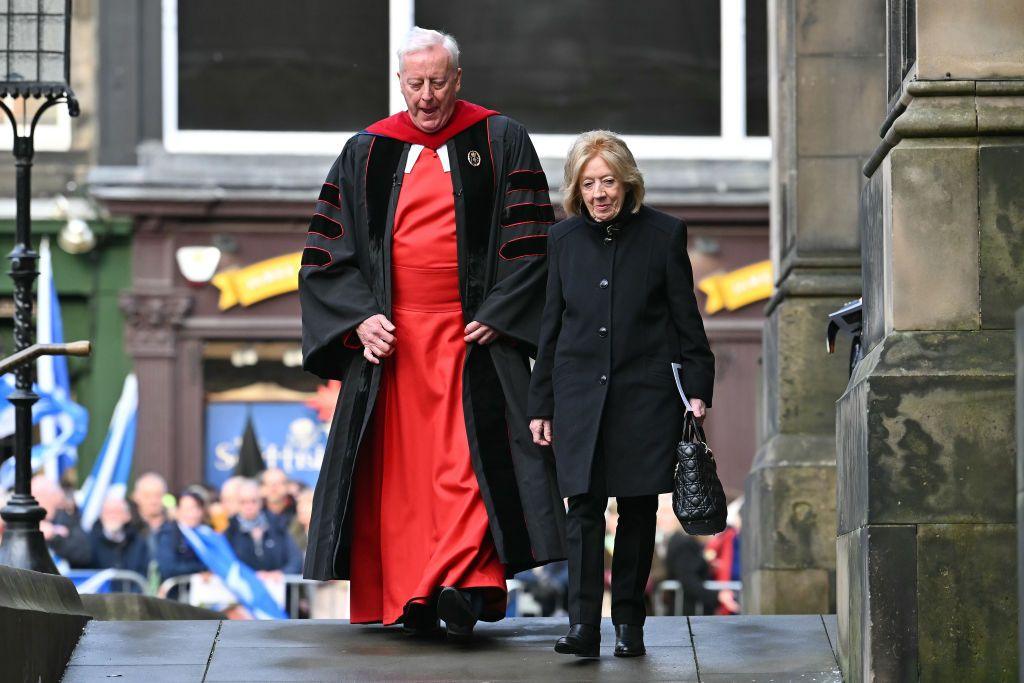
<point x="699" y="410"/>
<point x="375" y="334"/>
<point x="479" y="333"/>
<point x="541" y="430"/>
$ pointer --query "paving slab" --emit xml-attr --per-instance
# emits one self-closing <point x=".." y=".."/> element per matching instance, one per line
<point x="775" y="644"/>
<point x="120" y="673"/>
<point x="514" y="649"/>
<point x="145" y="643"/>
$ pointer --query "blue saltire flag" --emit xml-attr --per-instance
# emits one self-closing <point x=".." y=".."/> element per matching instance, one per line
<point x="216" y="553"/>
<point x="110" y="472"/>
<point x="61" y="433"/>
<point x="48" y="405"/>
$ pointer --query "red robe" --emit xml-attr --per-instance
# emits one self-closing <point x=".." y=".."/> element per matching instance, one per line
<point x="419" y="519"/>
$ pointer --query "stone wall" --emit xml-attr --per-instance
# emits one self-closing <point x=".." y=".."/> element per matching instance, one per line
<point x="926" y="428"/>
<point x="827" y="93"/>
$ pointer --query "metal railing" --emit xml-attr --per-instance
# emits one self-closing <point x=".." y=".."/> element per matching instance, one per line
<point x="678" y="595"/>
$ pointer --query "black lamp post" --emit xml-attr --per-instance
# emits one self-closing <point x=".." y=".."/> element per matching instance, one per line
<point x="35" y="38"/>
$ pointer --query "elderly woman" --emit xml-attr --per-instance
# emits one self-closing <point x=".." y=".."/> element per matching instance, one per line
<point x="620" y="309"/>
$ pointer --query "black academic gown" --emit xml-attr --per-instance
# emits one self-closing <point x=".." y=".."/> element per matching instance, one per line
<point x="502" y="213"/>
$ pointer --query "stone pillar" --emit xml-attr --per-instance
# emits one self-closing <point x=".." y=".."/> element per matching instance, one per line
<point x="826" y="89"/>
<point x="925" y="430"/>
<point x="1020" y="484"/>
<point x="154" y="311"/>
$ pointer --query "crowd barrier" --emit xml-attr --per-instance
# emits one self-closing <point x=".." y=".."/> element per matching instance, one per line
<point x="678" y="596"/>
<point x="305" y="598"/>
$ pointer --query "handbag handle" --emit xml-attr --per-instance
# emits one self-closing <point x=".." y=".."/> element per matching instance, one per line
<point x="691" y="427"/>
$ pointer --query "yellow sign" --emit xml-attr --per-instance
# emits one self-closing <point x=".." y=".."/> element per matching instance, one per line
<point x="260" y="281"/>
<point x="737" y="289"/>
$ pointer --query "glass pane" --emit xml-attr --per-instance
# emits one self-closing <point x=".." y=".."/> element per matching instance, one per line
<point x="304" y="65"/>
<point x="575" y="65"/>
<point x="51" y="67"/>
<point x="3" y="33"/>
<point x="23" y="66"/>
<point x="4" y="6"/>
<point x="26" y="6"/>
<point x="53" y="34"/>
<point x="757" y="67"/>
<point x="54" y="7"/>
<point x="26" y="32"/>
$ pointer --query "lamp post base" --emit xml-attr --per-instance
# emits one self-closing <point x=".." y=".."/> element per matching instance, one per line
<point x="23" y="545"/>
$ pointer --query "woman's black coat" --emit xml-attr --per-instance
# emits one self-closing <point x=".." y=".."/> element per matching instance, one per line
<point x="620" y="308"/>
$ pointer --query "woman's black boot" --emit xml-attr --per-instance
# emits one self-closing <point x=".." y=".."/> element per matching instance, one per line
<point x="629" y="641"/>
<point x="582" y="640"/>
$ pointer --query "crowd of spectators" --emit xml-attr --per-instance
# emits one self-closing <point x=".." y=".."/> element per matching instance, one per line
<point x="265" y="521"/>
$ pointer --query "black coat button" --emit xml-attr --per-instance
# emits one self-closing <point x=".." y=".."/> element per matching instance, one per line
<point x="603" y="284"/>
<point x="602" y="332"/>
<point x="603" y="379"/>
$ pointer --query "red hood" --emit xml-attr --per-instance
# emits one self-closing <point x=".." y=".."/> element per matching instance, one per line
<point x="400" y="126"/>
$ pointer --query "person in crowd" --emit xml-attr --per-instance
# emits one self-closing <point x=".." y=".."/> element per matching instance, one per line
<point x="686" y="563"/>
<point x="226" y="506"/>
<point x="174" y="556"/>
<point x="277" y="500"/>
<point x="148" y="499"/>
<point x="724" y="551"/>
<point x="421" y="287"/>
<point x="61" y="527"/>
<point x="299" y="527"/>
<point x="620" y="309"/>
<point x="117" y="543"/>
<point x="260" y="539"/>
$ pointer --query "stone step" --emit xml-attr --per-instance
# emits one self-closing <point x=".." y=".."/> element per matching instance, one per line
<point x="710" y="649"/>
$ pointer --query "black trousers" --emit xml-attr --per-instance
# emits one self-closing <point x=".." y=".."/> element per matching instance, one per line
<point x="631" y="557"/>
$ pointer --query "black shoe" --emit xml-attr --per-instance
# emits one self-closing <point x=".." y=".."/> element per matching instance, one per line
<point x="420" y="620"/>
<point x="629" y="641"/>
<point x="459" y="612"/>
<point x="582" y="640"/>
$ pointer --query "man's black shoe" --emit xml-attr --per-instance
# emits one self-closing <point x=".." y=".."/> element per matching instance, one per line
<point x="420" y="620"/>
<point x="582" y="640"/>
<point x="459" y="612"/>
<point x="629" y="641"/>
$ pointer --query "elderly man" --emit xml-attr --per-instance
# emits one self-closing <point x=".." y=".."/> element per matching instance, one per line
<point x="61" y="528"/>
<point x="261" y="539"/>
<point x="148" y="497"/>
<point x="117" y="543"/>
<point x="421" y="286"/>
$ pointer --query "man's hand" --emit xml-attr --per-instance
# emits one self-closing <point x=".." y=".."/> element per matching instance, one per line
<point x="541" y="430"/>
<point x="479" y="333"/>
<point x="699" y="410"/>
<point x="375" y="334"/>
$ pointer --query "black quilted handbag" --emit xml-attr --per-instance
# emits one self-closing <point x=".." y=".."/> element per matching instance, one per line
<point x="697" y="495"/>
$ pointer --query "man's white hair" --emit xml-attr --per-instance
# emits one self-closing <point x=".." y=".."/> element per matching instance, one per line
<point x="419" y="39"/>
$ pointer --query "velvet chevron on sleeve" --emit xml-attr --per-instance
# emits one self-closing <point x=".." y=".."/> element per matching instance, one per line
<point x="697" y="359"/>
<point x="333" y="292"/>
<point x="514" y="304"/>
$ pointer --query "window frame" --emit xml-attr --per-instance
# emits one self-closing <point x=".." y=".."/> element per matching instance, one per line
<point x="731" y="143"/>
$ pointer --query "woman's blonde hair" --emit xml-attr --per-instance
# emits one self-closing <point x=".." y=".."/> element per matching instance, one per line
<point x="615" y="153"/>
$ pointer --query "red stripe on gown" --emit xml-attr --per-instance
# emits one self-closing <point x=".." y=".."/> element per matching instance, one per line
<point x="419" y="520"/>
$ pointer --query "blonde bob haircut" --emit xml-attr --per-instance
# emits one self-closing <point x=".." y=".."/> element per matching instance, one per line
<point x="618" y="157"/>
